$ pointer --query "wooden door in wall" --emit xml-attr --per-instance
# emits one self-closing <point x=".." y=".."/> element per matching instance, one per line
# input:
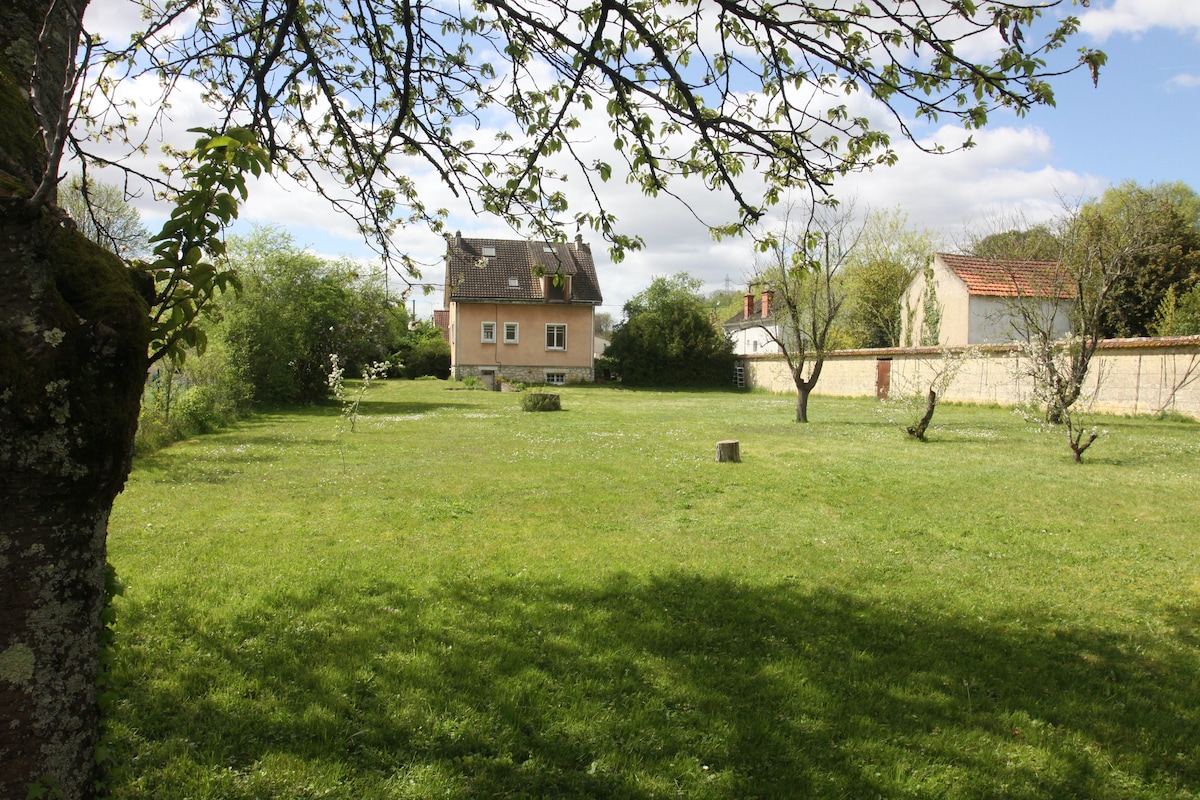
<point x="883" y="378"/>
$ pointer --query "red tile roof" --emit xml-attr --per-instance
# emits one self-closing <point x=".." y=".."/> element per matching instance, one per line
<point x="1004" y="277"/>
<point x="511" y="270"/>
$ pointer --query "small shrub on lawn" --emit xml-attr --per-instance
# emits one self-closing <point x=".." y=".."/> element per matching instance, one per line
<point x="540" y="401"/>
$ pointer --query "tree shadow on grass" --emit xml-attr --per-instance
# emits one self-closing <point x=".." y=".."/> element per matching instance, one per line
<point x="215" y="464"/>
<point x="390" y="408"/>
<point x="218" y="463"/>
<point x="376" y="408"/>
<point x="677" y="685"/>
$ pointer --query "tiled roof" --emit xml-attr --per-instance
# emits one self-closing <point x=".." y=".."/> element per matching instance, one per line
<point x="756" y="318"/>
<point x="1001" y="277"/>
<point x="510" y="270"/>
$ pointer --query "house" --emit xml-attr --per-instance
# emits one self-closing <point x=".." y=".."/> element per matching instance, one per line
<point x="976" y="300"/>
<point x="520" y="310"/>
<point x="748" y="329"/>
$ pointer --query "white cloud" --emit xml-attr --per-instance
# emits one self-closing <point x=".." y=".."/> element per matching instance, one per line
<point x="113" y="20"/>
<point x="1008" y="173"/>
<point x="1139" y="16"/>
<point x="1184" y="81"/>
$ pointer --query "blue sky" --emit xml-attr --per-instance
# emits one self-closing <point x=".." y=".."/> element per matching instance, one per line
<point x="1142" y="122"/>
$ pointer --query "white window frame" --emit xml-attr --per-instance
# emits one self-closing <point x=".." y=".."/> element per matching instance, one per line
<point x="516" y="332"/>
<point x="556" y="325"/>
<point x="487" y="333"/>
<point x="556" y="378"/>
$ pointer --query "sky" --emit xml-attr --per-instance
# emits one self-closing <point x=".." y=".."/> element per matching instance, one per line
<point x="1141" y="123"/>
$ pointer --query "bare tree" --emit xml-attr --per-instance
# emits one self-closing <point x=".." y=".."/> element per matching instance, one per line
<point x="915" y="392"/>
<point x="803" y="270"/>
<point x="1100" y="249"/>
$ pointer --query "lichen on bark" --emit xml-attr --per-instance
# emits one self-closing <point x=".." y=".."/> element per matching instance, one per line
<point x="16" y="664"/>
<point x="73" y="339"/>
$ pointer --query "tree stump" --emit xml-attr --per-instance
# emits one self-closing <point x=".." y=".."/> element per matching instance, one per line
<point x="728" y="451"/>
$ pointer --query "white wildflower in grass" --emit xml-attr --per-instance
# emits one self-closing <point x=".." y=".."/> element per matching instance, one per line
<point x="350" y="403"/>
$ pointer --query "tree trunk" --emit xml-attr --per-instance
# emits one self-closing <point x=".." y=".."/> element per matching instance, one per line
<point x="918" y="431"/>
<point x="802" y="393"/>
<point x="73" y="339"/>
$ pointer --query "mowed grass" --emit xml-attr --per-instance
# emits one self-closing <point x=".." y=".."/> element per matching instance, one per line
<point x="488" y="603"/>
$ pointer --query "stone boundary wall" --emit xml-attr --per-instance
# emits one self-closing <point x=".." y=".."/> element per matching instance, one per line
<point x="1136" y="376"/>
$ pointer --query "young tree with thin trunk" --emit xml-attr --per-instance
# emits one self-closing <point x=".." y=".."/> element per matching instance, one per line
<point x="1099" y="252"/>
<point x="804" y="265"/>
<point x="351" y="98"/>
<point x="915" y="392"/>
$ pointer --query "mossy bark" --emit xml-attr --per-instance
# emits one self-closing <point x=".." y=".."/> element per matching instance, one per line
<point x="73" y="339"/>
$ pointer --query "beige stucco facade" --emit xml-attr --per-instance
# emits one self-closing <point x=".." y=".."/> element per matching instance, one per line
<point x="952" y="298"/>
<point x="527" y="359"/>
<point x="1128" y="376"/>
<point x="969" y="319"/>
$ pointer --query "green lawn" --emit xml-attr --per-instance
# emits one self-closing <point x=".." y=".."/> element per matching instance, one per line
<point x="487" y="603"/>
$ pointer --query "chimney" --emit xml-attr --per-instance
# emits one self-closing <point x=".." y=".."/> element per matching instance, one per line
<point x="458" y="238"/>
<point x="767" y="297"/>
<point x="748" y="306"/>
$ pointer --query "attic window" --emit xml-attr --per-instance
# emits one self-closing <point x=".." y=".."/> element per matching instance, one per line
<point x="489" y="251"/>
<point x="514" y="283"/>
<point x="547" y="248"/>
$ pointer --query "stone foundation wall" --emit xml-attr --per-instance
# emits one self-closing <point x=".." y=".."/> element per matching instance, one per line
<point x="1127" y="376"/>
<point x="525" y="374"/>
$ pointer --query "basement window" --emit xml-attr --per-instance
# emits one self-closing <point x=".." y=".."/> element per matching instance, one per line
<point x="556" y="378"/>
